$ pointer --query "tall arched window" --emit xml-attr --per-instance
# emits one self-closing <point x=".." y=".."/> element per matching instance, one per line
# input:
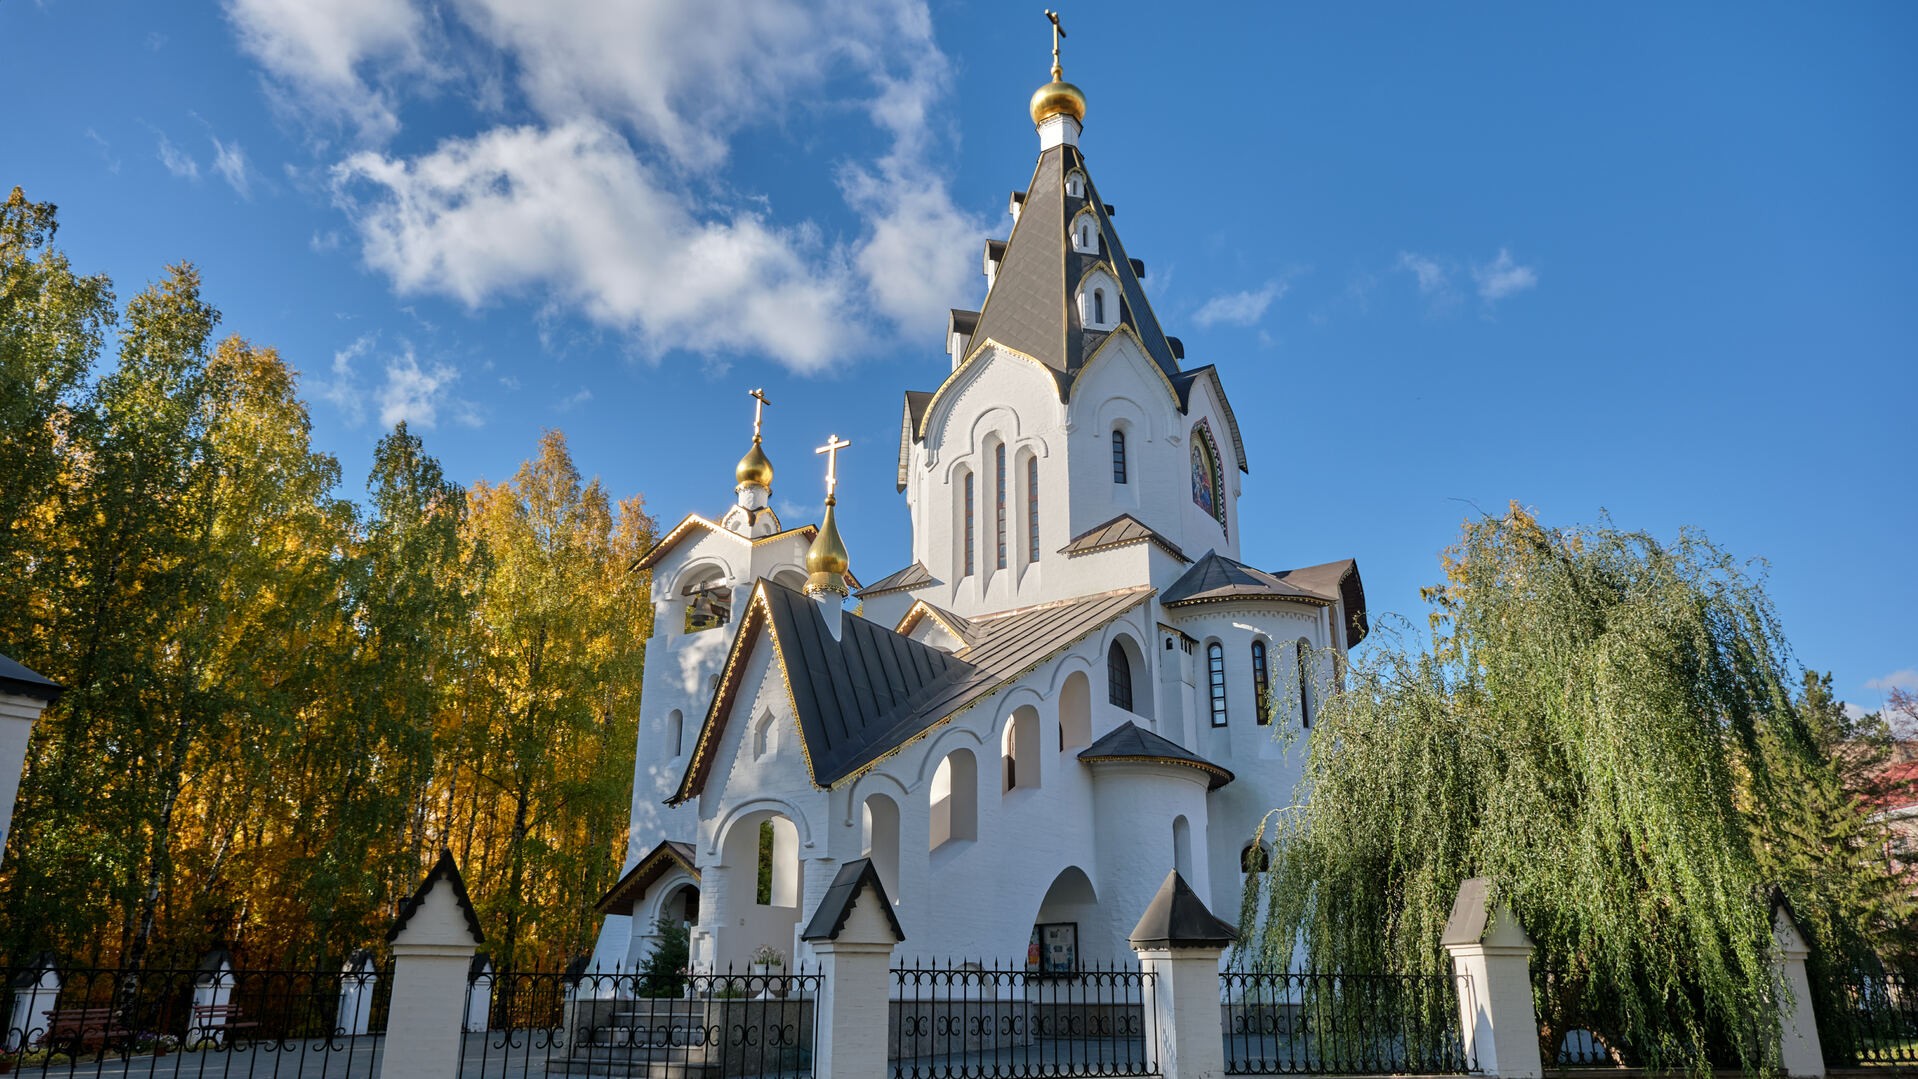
<point x="1215" y="675"/>
<point x="1098" y="307"/>
<point x="955" y="799"/>
<point x="1032" y="509"/>
<point x="969" y="523"/>
<point x="1208" y="480"/>
<point x="1305" y="682"/>
<point x="1118" y="455"/>
<point x="1019" y="749"/>
<point x="1119" y="677"/>
<point x="1261" y="684"/>
<point x="999" y="501"/>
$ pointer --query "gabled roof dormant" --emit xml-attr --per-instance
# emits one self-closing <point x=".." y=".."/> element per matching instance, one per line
<point x="1130" y="742"/>
<point x="624" y="896"/>
<point x="863" y="697"/>
<point x="913" y="577"/>
<point x="1118" y="532"/>
<point x="1218" y="579"/>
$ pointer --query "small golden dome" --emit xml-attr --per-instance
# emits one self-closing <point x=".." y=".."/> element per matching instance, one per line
<point x="1058" y="97"/>
<point x="827" y="560"/>
<point x="754" y="468"/>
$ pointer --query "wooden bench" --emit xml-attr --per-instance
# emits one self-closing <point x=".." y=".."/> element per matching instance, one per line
<point x="77" y="1030"/>
<point x="211" y="1022"/>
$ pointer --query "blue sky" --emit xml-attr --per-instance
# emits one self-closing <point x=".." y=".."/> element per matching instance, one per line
<point x="1657" y="260"/>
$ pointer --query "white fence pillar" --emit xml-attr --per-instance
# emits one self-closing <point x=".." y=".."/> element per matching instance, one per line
<point x="433" y="942"/>
<point x="23" y="696"/>
<point x="1800" y="1052"/>
<point x="853" y="932"/>
<point x="212" y="1000"/>
<point x="1179" y="943"/>
<point x="36" y="992"/>
<point x="479" y="995"/>
<point x="1492" y="959"/>
<point x="359" y="979"/>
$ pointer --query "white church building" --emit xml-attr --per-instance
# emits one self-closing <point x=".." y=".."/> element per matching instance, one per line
<point x="1078" y="680"/>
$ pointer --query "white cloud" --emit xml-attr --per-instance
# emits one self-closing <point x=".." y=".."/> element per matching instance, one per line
<point x="230" y="162"/>
<point x="1239" y="308"/>
<point x="1905" y="679"/>
<point x="573" y="400"/>
<point x="342" y="391"/>
<point x="571" y="211"/>
<point x="614" y="201"/>
<point x="411" y="392"/>
<point x="1503" y="277"/>
<point x="1434" y="279"/>
<point x="318" y="51"/>
<point x="178" y="161"/>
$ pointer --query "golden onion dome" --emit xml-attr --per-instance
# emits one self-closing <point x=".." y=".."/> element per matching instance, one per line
<point x="1058" y="97"/>
<point x="827" y="560"/>
<point x="754" y="469"/>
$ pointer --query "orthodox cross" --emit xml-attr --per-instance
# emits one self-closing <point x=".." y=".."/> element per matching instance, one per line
<point x="831" y="449"/>
<point x="1057" y="33"/>
<point x="759" y="405"/>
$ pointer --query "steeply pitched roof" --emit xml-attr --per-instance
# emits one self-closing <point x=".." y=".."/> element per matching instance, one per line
<point x="916" y="402"/>
<point x="1117" y="532"/>
<point x="445" y="870"/>
<point x="1177" y="917"/>
<point x="623" y="896"/>
<point x="1210" y="373"/>
<point x="1218" y="579"/>
<point x="905" y="580"/>
<point x="1030" y="307"/>
<point x="862" y="697"/>
<point x="1131" y="742"/>
<point x="21" y="682"/>
<point x="829" y="918"/>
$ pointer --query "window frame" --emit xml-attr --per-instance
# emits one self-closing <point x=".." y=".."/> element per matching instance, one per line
<point x="969" y="525"/>
<point x="999" y="504"/>
<point x="1119" y="677"/>
<point x="1032" y="508"/>
<point x="1215" y="682"/>
<point x="1261" y="684"/>
<point x="1119" y="466"/>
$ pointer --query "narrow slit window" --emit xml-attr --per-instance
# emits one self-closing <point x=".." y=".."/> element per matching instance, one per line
<point x="1032" y="509"/>
<point x="1261" y="684"/>
<point x="1305" y="683"/>
<point x="999" y="502"/>
<point x="1118" y="456"/>
<point x="1215" y="672"/>
<point x="1098" y="307"/>
<point x="969" y="524"/>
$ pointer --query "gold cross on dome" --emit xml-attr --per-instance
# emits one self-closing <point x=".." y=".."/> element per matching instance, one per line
<point x="831" y="449"/>
<point x="759" y="405"/>
<point x="1058" y="32"/>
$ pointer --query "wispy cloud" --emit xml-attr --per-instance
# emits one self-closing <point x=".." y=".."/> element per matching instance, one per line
<point x="420" y="394"/>
<point x="178" y="161"/>
<point x="1905" y="679"/>
<point x="106" y="150"/>
<point x="1503" y="277"/>
<point x="230" y="162"/>
<point x="573" y="400"/>
<point x="1435" y="281"/>
<point x="1239" y="308"/>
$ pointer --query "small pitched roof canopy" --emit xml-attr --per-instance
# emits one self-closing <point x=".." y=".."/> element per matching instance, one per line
<point x="21" y="682"/>
<point x="1131" y="742"/>
<point x="626" y="893"/>
<point x="443" y="870"/>
<point x="1216" y="578"/>
<point x="913" y="577"/>
<point x="1177" y="918"/>
<point x="853" y="879"/>
<point x="1118" y="532"/>
<point x="862" y="696"/>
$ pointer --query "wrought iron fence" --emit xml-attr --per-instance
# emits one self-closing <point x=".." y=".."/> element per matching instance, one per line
<point x="1571" y="1033"/>
<point x="1878" y="1024"/>
<point x="971" y="1019"/>
<point x="626" y="1023"/>
<point x="99" y="1021"/>
<point x="1349" y="1024"/>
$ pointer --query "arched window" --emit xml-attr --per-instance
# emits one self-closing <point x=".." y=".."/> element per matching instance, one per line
<point x="999" y="501"/>
<point x="1019" y="749"/>
<point x="1255" y="858"/>
<point x="1075" y="711"/>
<point x="969" y="523"/>
<point x="1261" y="684"/>
<point x="1215" y="674"/>
<point x="879" y="827"/>
<point x="1182" y="846"/>
<point x="955" y="799"/>
<point x="1118" y="455"/>
<point x="765" y="736"/>
<point x="676" y="731"/>
<point x="1119" y="677"/>
<point x="1305" y="682"/>
<point x="1098" y="307"/>
<point x="1032" y="509"/>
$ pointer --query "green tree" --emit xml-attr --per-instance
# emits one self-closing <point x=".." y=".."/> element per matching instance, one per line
<point x="1604" y="727"/>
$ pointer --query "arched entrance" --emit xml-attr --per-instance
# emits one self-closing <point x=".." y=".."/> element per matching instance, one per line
<point x="763" y="883"/>
<point x="1068" y="917"/>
